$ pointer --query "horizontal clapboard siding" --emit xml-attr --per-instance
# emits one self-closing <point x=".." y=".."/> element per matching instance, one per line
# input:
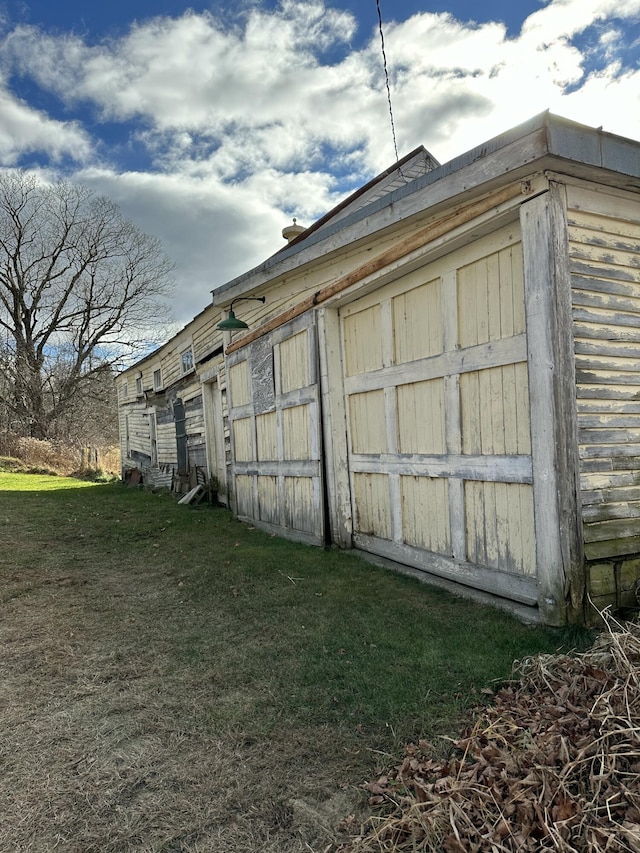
<point x="604" y="241"/>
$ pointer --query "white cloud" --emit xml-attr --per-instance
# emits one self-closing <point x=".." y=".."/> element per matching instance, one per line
<point x="461" y="84"/>
<point x="275" y="115"/>
<point x="212" y="231"/>
<point x="566" y="18"/>
<point x="24" y="130"/>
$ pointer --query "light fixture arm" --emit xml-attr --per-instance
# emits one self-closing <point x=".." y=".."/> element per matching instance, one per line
<point x="232" y="323"/>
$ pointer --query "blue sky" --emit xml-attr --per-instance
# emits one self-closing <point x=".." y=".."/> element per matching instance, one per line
<point x="212" y="123"/>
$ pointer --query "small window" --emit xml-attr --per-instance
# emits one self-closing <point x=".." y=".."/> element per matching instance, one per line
<point x="124" y="389"/>
<point x="139" y="391"/>
<point x="186" y="360"/>
<point x="157" y="379"/>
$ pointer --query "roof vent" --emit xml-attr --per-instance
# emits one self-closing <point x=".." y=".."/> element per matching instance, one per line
<point x="290" y="232"/>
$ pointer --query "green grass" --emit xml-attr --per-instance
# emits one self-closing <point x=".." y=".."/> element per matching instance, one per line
<point x="322" y="637"/>
<point x="312" y="667"/>
<point x="14" y="482"/>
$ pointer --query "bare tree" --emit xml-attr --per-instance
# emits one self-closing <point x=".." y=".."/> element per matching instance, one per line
<point x="78" y="284"/>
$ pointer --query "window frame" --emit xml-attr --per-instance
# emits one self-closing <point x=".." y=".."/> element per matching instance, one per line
<point x="187" y="351"/>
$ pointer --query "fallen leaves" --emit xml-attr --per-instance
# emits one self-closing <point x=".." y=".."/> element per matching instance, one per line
<point x="552" y="765"/>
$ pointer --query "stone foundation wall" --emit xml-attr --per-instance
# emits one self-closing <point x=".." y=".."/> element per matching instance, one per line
<point x="614" y="583"/>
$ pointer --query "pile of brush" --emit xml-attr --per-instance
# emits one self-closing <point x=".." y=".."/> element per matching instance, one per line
<point x="552" y="765"/>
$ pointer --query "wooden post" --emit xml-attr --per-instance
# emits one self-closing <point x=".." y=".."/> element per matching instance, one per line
<point x="334" y="427"/>
<point x="552" y="394"/>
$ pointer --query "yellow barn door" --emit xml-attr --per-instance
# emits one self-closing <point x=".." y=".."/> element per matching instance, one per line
<point x="274" y="420"/>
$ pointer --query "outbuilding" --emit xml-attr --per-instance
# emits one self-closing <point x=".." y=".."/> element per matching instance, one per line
<point x="443" y="372"/>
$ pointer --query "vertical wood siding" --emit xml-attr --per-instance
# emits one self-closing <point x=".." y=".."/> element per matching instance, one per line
<point x="495" y="410"/>
<point x="294" y="363"/>
<point x="243" y="440"/>
<point x="500" y="529"/>
<point x="268" y="499"/>
<point x="604" y="233"/>
<point x="421" y="417"/>
<point x="439" y="445"/>
<point x="267" y="436"/>
<point x="239" y="382"/>
<point x="372" y="505"/>
<point x="296" y="432"/>
<point x="299" y="505"/>
<point x="491" y="298"/>
<point x="363" y="341"/>
<point x="244" y="496"/>
<point x="368" y="422"/>
<point x="417" y="323"/>
<point x="425" y="516"/>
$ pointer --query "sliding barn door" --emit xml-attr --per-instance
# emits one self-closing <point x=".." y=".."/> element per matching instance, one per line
<point x="436" y="385"/>
<point x="275" y="432"/>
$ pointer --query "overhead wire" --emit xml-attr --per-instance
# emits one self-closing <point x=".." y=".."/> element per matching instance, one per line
<point x="388" y="85"/>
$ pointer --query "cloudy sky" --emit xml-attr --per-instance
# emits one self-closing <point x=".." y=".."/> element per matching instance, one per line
<point x="211" y="124"/>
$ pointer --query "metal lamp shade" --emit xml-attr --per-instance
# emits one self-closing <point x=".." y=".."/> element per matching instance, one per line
<point x="232" y="323"/>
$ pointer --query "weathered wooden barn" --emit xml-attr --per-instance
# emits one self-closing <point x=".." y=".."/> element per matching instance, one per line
<point x="444" y="374"/>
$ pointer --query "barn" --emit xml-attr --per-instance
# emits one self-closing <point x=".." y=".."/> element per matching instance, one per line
<point x="443" y="372"/>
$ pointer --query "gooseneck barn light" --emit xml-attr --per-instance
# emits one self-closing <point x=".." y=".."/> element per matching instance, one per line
<point x="232" y="324"/>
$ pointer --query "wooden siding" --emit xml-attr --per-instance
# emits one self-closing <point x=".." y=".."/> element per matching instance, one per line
<point x="369" y="422"/>
<point x="158" y="460"/>
<point x="491" y="298"/>
<point x="417" y="323"/>
<point x="363" y="340"/>
<point x="139" y="429"/>
<point x="293" y="358"/>
<point x="439" y="445"/>
<point x="372" y="505"/>
<point x="604" y="235"/>
<point x="421" y="417"/>
<point x="238" y="374"/>
<point x="205" y="334"/>
<point x="425" y="513"/>
<point x="167" y="448"/>
<point x="275" y="431"/>
<point x="243" y="440"/>
<point x="268" y="499"/>
<point x="244" y="496"/>
<point x="300" y="501"/>
<point x="296" y="432"/>
<point x="267" y="436"/>
<point x="495" y="411"/>
<point x="297" y="284"/>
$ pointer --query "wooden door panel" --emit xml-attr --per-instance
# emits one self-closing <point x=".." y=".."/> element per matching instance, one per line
<point x="274" y="414"/>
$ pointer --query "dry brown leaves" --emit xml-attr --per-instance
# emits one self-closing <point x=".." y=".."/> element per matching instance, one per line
<point x="552" y="765"/>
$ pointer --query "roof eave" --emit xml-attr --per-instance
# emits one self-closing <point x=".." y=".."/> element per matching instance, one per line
<point x="544" y="140"/>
